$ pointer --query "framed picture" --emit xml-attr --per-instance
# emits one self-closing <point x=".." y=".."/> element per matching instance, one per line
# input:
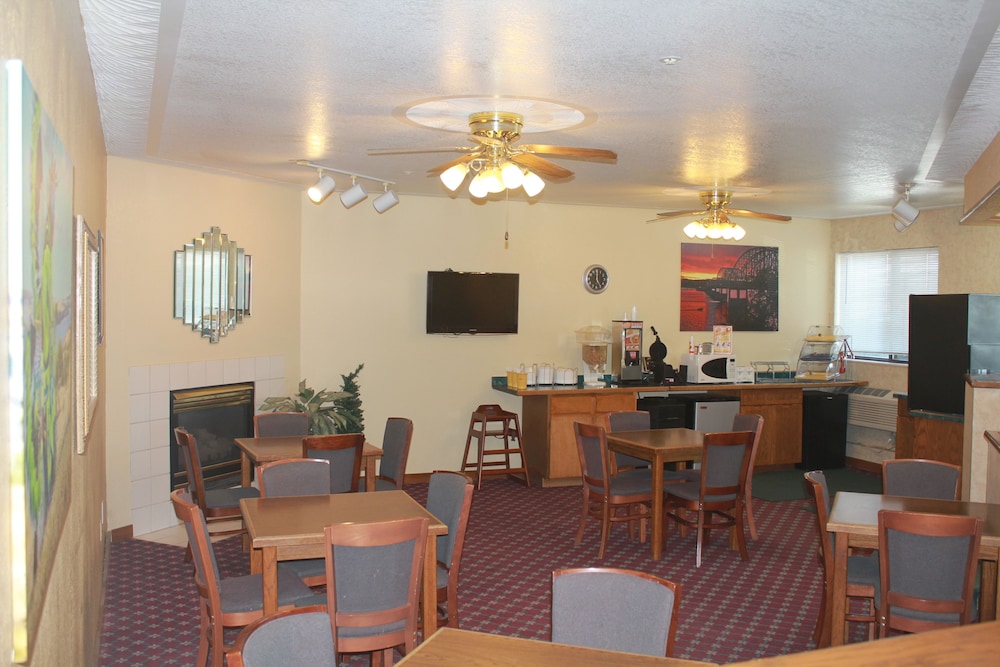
<point x="88" y="281"/>
<point x="729" y="285"/>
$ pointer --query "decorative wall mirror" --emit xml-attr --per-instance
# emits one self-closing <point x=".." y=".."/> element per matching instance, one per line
<point x="211" y="284"/>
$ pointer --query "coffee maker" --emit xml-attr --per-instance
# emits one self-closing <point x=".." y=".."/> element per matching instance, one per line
<point x="626" y="350"/>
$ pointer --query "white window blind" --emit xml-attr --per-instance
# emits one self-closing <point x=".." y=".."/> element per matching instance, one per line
<point x="872" y="297"/>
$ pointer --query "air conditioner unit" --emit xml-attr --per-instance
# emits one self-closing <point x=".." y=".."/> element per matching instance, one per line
<point x="872" y="411"/>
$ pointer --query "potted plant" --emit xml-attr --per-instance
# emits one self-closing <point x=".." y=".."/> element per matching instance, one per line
<point x="329" y="411"/>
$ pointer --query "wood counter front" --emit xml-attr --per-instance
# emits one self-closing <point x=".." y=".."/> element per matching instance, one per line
<point x="548" y="413"/>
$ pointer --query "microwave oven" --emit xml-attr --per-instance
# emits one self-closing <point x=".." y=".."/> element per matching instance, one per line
<point x="709" y="368"/>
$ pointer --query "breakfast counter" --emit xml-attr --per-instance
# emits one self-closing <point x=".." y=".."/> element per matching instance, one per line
<point x="548" y="413"/>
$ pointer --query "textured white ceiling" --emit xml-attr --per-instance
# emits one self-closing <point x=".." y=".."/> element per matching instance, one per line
<point x="812" y="108"/>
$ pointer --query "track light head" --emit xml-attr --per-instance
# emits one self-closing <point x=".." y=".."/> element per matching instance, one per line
<point x="323" y="188"/>
<point x="903" y="212"/>
<point x="354" y="194"/>
<point x="386" y="200"/>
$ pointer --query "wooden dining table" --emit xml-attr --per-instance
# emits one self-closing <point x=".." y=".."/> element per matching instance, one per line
<point x="658" y="446"/>
<point x="292" y="528"/>
<point x="255" y="451"/>
<point x="854" y="518"/>
<point x="453" y="647"/>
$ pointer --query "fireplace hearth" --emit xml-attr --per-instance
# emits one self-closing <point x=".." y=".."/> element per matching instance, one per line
<point x="215" y="416"/>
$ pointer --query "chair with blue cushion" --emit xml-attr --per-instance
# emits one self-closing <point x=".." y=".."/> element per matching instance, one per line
<point x="615" y="610"/>
<point x="297" y="477"/>
<point x="373" y="570"/>
<point x="217" y="505"/>
<point x="921" y="478"/>
<point x="606" y="495"/>
<point x="862" y="570"/>
<point x="627" y="420"/>
<point x="300" y="636"/>
<point x="395" y="452"/>
<point x="449" y="498"/>
<point x="344" y="452"/>
<point x="927" y="570"/>
<point x="717" y="498"/>
<point x="226" y="602"/>
<point x="277" y="424"/>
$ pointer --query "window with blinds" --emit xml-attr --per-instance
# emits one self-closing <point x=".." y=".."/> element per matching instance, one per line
<point x="872" y="291"/>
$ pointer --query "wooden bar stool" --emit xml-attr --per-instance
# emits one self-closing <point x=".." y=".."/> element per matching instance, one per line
<point x="494" y="421"/>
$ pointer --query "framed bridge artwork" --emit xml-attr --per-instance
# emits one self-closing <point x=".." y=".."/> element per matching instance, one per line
<point x="724" y="284"/>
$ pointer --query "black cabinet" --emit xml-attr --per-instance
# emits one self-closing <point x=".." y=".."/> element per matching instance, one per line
<point x="824" y="430"/>
<point x="950" y="334"/>
<point x="663" y="412"/>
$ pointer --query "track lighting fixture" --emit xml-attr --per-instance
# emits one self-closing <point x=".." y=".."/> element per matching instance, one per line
<point x="323" y="188"/>
<point x="355" y="194"/>
<point x="903" y="212"/>
<point x="386" y="200"/>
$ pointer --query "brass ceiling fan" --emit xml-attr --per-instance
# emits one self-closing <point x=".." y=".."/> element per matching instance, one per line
<point x="716" y="224"/>
<point x="496" y="162"/>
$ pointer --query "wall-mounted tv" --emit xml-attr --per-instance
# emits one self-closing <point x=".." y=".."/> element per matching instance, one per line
<point x="460" y="302"/>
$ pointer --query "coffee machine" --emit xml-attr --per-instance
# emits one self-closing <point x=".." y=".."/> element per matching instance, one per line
<point x="626" y="350"/>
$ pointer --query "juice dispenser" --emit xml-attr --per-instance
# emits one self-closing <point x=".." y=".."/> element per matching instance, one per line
<point x="626" y="350"/>
<point x="595" y="340"/>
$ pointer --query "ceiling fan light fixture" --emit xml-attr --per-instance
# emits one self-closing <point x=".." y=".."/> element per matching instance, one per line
<point x="532" y="184"/>
<point x="477" y="186"/>
<point x="738" y="233"/>
<point x="511" y="175"/>
<point x="493" y="180"/>
<point x="322" y="189"/>
<point x="453" y="176"/>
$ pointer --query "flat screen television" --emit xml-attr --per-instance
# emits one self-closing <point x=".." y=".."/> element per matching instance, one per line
<point x="460" y="302"/>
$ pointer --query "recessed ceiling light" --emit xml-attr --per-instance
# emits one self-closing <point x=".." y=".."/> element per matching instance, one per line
<point x="670" y="60"/>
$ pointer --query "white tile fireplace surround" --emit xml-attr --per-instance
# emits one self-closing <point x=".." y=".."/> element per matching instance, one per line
<point x="149" y="423"/>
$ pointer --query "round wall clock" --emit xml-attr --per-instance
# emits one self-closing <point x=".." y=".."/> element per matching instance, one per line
<point x="595" y="279"/>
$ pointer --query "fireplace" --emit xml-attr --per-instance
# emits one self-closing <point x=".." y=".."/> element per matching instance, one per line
<point x="215" y="416"/>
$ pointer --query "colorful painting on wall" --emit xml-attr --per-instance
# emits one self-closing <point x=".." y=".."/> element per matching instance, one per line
<point x="41" y="268"/>
<point x="723" y="284"/>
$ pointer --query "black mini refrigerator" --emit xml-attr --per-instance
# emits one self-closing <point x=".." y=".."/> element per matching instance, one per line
<point x="824" y="430"/>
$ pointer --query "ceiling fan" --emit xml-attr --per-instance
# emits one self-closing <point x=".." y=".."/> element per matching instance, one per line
<point x="496" y="162"/>
<point x="716" y="224"/>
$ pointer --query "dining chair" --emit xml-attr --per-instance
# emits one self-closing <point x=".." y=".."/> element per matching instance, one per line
<point x="218" y="506"/>
<point x="449" y="498"/>
<point x="343" y="451"/>
<point x="298" y="477"/>
<point x="921" y="478"/>
<point x="373" y="570"/>
<point x="615" y="610"/>
<point x="862" y="570"/>
<point x="927" y="570"/>
<point x="627" y="420"/>
<point x="298" y="636"/>
<point x="717" y="498"/>
<point x="395" y="452"/>
<point x="745" y="421"/>
<point x="276" y="424"/>
<point x="604" y="494"/>
<point x="230" y="601"/>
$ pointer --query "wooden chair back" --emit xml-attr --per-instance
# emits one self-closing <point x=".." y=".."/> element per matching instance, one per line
<point x="344" y="452"/>
<point x="615" y="609"/>
<point x="627" y="420"/>
<point x="921" y="478"/>
<point x="449" y="498"/>
<point x="395" y="452"/>
<point x="192" y="465"/>
<point x="294" y="477"/>
<point x="299" y="636"/>
<point x="276" y="424"/>
<point x="373" y="584"/>
<point x="927" y="568"/>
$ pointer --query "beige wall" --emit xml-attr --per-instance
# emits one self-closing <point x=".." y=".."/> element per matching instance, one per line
<point x="364" y="287"/>
<point x="153" y="210"/>
<point x="48" y="36"/>
<point x="966" y="261"/>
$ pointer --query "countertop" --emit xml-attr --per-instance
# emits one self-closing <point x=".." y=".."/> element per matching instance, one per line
<point x="547" y="390"/>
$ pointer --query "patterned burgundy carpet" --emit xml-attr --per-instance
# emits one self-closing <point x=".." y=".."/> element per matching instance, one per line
<point x="730" y="610"/>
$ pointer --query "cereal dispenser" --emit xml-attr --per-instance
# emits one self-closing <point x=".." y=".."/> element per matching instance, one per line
<point x="594" y="339"/>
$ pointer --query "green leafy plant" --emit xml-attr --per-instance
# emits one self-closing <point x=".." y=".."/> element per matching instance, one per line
<point x="329" y="411"/>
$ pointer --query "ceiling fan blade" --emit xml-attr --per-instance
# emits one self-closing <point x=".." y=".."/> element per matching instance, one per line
<point x="755" y="214"/>
<point x="571" y="152"/>
<point x="451" y="163"/>
<point x="429" y="149"/>
<point x="541" y="165"/>
<point x="678" y="214"/>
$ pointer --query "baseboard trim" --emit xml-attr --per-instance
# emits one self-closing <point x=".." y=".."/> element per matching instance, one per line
<point x="122" y="534"/>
